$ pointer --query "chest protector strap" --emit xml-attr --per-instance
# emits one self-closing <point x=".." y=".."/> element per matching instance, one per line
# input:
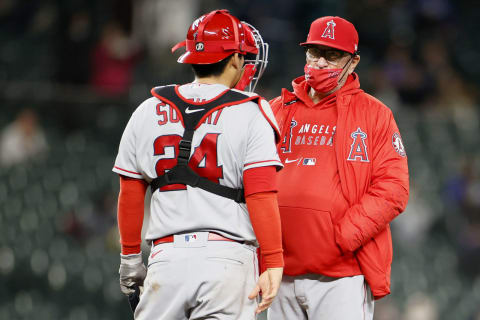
<point x="192" y="115"/>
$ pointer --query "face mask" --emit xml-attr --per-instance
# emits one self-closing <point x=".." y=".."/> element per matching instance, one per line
<point x="246" y="77"/>
<point x="322" y="80"/>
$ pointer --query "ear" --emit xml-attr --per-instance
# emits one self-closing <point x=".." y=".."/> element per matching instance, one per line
<point x="237" y="61"/>
<point x="353" y="65"/>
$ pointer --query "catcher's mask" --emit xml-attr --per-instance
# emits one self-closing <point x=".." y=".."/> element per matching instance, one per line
<point x="217" y="35"/>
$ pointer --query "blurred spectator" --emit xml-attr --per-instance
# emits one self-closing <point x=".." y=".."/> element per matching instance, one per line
<point x="113" y="61"/>
<point x="412" y="227"/>
<point x="434" y="55"/>
<point x="102" y="218"/>
<point x="384" y="89"/>
<point x="420" y="306"/>
<point x="463" y="194"/>
<point x="95" y="219"/>
<point x="409" y="78"/>
<point x="457" y="100"/>
<point x="385" y="309"/>
<point x="22" y="140"/>
<point x="154" y="23"/>
<point x="70" y="224"/>
<point x="456" y="186"/>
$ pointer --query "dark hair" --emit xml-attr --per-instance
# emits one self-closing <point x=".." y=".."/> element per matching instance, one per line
<point x="213" y="69"/>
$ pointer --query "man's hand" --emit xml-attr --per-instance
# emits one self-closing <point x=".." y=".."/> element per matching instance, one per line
<point x="132" y="272"/>
<point x="268" y="284"/>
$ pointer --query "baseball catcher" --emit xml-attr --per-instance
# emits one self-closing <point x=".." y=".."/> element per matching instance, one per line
<point x="207" y="151"/>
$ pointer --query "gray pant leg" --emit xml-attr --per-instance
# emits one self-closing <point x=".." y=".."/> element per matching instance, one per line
<point x="211" y="282"/>
<point x="232" y="274"/>
<point x="318" y="297"/>
<point x="347" y="298"/>
<point x="286" y="305"/>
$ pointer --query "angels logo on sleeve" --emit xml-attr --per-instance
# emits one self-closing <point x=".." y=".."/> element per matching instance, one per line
<point x="398" y="144"/>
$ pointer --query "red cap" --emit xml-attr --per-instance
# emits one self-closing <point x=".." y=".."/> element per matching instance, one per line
<point x="333" y="32"/>
<point x="214" y="36"/>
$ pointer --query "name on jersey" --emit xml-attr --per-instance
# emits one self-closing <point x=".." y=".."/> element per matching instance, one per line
<point x="167" y="114"/>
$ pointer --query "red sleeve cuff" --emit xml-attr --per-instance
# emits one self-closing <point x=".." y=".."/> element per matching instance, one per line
<point x="273" y="259"/>
<point x="260" y="179"/>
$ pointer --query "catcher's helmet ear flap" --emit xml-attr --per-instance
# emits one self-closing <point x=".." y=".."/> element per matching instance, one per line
<point x="255" y="64"/>
<point x="249" y="71"/>
<point x="215" y="36"/>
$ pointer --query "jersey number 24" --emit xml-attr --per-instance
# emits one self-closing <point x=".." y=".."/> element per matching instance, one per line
<point x="203" y="160"/>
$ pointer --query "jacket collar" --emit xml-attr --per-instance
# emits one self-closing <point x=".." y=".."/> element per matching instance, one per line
<point x="301" y="88"/>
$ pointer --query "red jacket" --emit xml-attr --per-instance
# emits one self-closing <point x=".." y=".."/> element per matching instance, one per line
<point x="373" y="173"/>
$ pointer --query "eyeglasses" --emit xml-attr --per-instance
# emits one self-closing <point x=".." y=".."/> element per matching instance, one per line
<point x="332" y="56"/>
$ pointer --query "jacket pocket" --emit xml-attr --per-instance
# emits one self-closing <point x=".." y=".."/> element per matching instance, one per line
<point x="308" y="236"/>
<point x="225" y="260"/>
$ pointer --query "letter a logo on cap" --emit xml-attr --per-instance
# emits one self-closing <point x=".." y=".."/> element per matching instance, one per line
<point x="329" y="31"/>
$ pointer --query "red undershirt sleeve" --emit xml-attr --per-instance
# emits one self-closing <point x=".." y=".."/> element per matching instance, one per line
<point x="130" y="213"/>
<point x="260" y="179"/>
<point x="261" y="198"/>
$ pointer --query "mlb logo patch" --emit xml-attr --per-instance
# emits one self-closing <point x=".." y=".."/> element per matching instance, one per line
<point x="190" y="240"/>
<point x="190" y="237"/>
<point x="309" y="161"/>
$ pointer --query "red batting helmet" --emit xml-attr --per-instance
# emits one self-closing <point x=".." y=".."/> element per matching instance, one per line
<point x="214" y="36"/>
<point x="333" y="32"/>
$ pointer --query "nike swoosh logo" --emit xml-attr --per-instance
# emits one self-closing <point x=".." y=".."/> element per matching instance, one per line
<point x="188" y="110"/>
<point x="288" y="160"/>
<point x="155" y="253"/>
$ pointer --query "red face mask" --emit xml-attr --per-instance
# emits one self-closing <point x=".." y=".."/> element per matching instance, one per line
<point x="247" y="76"/>
<point x="322" y="80"/>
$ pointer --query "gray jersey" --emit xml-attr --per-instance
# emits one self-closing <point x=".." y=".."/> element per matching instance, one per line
<point x="230" y="140"/>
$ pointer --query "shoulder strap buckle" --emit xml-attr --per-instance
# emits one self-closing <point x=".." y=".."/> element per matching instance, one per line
<point x="184" y="148"/>
<point x="185" y="145"/>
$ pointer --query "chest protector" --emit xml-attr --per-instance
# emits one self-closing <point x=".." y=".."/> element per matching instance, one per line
<point x="192" y="115"/>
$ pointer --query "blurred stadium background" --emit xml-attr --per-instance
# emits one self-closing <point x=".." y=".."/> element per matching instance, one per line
<point x="72" y="71"/>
